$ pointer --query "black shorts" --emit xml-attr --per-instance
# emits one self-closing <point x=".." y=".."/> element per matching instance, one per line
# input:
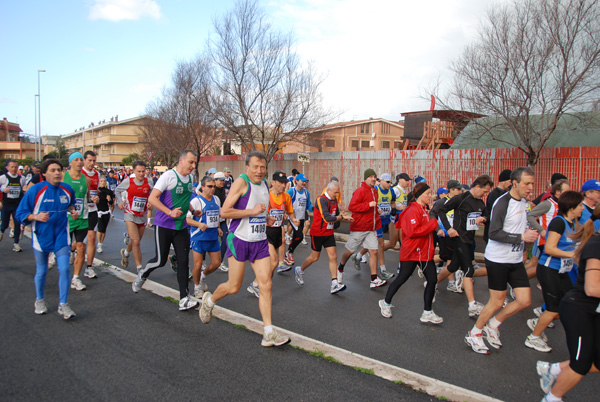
<point x="319" y="242"/>
<point x="461" y="257"/>
<point x="499" y="274"/>
<point x="275" y="236"/>
<point x="103" y="223"/>
<point x="554" y="286"/>
<point x="582" y="330"/>
<point x="93" y="221"/>
<point x="79" y="234"/>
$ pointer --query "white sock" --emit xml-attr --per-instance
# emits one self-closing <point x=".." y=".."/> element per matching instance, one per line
<point x="202" y="276"/>
<point x="126" y="253"/>
<point x="493" y="323"/>
<point x="555" y="369"/>
<point x="551" y="398"/>
<point x="209" y="302"/>
<point x="254" y="284"/>
<point x="471" y="304"/>
<point x="382" y="268"/>
<point x="268" y="329"/>
<point x="358" y="255"/>
<point x="100" y="244"/>
<point x="476" y="331"/>
<point x="138" y="267"/>
<point x="452" y="283"/>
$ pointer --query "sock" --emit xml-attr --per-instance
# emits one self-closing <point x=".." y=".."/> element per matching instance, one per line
<point x="476" y="331"/>
<point x="334" y="282"/>
<point x="209" y="302"/>
<point x="89" y="266"/>
<point x="471" y="304"/>
<point x="75" y="276"/>
<point x="341" y="267"/>
<point x="126" y="253"/>
<point x="196" y="286"/>
<point x="254" y="284"/>
<point x="382" y="268"/>
<point x="551" y="398"/>
<point x="99" y="244"/>
<point x="280" y="262"/>
<point x="268" y="329"/>
<point x="555" y="369"/>
<point x="452" y="283"/>
<point x="138" y="267"/>
<point x="493" y="323"/>
<point x="373" y="277"/>
<point x="358" y="255"/>
<point x="202" y="276"/>
<point x="532" y="336"/>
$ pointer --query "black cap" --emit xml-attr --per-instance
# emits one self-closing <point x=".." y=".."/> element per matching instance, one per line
<point x="280" y="176"/>
<point x="556" y="177"/>
<point x="453" y="184"/>
<point x="295" y="172"/>
<point x="403" y="176"/>
<point x="333" y="178"/>
<point x="504" y="175"/>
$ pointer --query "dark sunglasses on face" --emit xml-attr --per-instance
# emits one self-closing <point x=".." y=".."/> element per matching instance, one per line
<point x="210" y="186"/>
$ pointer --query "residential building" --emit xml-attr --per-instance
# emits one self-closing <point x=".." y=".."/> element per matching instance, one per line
<point x="12" y="144"/>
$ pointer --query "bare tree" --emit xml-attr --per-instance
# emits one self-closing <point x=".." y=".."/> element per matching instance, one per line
<point x="534" y="61"/>
<point x="262" y="94"/>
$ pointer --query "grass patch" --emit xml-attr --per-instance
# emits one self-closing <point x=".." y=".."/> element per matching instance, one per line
<point x="171" y="299"/>
<point x="442" y="398"/>
<point x="398" y="382"/>
<point x="239" y="326"/>
<point x="364" y="370"/>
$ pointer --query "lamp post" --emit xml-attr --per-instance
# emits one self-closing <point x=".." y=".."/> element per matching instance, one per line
<point x="39" y="94"/>
<point x="35" y="135"/>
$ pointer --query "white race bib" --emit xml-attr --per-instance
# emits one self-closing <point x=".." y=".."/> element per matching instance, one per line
<point x="212" y="219"/>
<point x="14" y="192"/>
<point x="278" y="215"/>
<point x="566" y="265"/>
<point x="79" y="205"/>
<point x="471" y="219"/>
<point x="386" y="208"/>
<point x="257" y="228"/>
<point x="138" y="204"/>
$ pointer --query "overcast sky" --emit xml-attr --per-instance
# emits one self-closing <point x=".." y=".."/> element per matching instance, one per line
<point x="111" y="57"/>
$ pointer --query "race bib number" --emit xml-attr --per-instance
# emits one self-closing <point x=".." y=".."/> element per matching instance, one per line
<point x="212" y="219"/>
<point x="278" y="215"/>
<point x="471" y="219"/>
<point x="14" y="192"/>
<point x="138" y="204"/>
<point x="386" y="208"/>
<point x="301" y="208"/>
<point x="113" y="187"/>
<point x="79" y="205"/>
<point x="93" y="193"/>
<point x="257" y="228"/>
<point x="566" y="265"/>
<point x="518" y="247"/>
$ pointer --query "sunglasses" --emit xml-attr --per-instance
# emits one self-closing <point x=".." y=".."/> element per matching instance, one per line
<point x="388" y="182"/>
<point x="210" y="186"/>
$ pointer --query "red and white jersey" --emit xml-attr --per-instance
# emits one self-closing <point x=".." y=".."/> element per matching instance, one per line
<point x="94" y="181"/>
<point x="136" y="197"/>
<point x="545" y="219"/>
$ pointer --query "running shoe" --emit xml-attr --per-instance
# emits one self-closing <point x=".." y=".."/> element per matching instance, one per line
<point x="126" y="238"/>
<point x="51" y="261"/>
<point x="420" y="272"/>
<point x="288" y="258"/>
<point x="340" y="276"/>
<point x="477" y="266"/>
<point x="299" y="276"/>
<point x="205" y="312"/>
<point x="547" y="379"/>
<point x="124" y="259"/>
<point x="452" y="288"/>
<point x="288" y="239"/>
<point x="364" y="259"/>
<point x="430" y="316"/>
<point x="337" y="287"/>
<point x="253" y="289"/>
<point x="99" y="249"/>
<point x="77" y="284"/>
<point x="90" y="273"/>
<point x="72" y="257"/>
<point x="492" y="336"/>
<point x="511" y="292"/>
<point x="198" y="291"/>
<point x="476" y="343"/>
<point x="385" y="274"/>
<point x="203" y="285"/>
<point x="531" y="323"/>
<point x="283" y="268"/>
<point x="377" y="283"/>
<point x="223" y="267"/>
<point x="17" y="248"/>
<point x="304" y="241"/>
<point x="475" y="309"/>
<point x="138" y="283"/>
<point x="356" y="261"/>
<point x="537" y="343"/>
<point x="538" y="312"/>
<point x="274" y="339"/>
<point x="173" y="259"/>
<point x="459" y="275"/>
<point x="12" y="234"/>
<point x="40" y="306"/>
<point x="386" y="309"/>
<point x="66" y="311"/>
<point x="187" y="303"/>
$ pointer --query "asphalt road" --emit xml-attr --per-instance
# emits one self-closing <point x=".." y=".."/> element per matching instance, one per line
<point x="124" y="343"/>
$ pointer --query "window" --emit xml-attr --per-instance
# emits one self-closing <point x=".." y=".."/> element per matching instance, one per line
<point x="385" y="144"/>
<point x="365" y="128"/>
<point x="364" y="144"/>
<point x="355" y="144"/>
<point x="330" y="143"/>
<point x="397" y="144"/>
<point x="385" y="128"/>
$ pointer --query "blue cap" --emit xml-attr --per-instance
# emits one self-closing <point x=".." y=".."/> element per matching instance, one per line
<point x="420" y="179"/>
<point x="590" y="185"/>
<point x="300" y="176"/>
<point x="212" y="171"/>
<point x="442" y="190"/>
<point x="74" y="156"/>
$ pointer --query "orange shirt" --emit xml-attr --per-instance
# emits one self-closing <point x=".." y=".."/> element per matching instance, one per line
<point x="279" y="205"/>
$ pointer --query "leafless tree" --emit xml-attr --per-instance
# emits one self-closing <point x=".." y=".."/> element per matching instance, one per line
<point x="534" y="61"/>
<point x="262" y="93"/>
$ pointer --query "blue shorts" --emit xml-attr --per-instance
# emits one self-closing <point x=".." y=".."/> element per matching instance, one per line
<point x="243" y="250"/>
<point x="380" y="232"/>
<point x="206" y="246"/>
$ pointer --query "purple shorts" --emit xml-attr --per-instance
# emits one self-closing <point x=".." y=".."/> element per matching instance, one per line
<point x="242" y="250"/>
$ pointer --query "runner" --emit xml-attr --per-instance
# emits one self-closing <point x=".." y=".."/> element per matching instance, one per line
<point x="280" y="205"/>
<point x="134" y="193"/>
<point x="11" y="185"/>
<point x="580" y="315"/>
<point x="228" y="180"/>
<point x="363" y="229"/>
<point x="401" y="190"/>
<point x="591" y="198"/>
<point x="503" y="186"/>
<point x="204" y="234"/>
<point x="78" y="226"/>
<point x="221" y="194"/>
<point x="504" y="261"/>
<point x="45" y="207"/>
<point x="326" y="218"/>
<point x="93" y="179"/>
<point x="301" y="204"/>
<point x="469" y="211"/>
<point x="246" y="206"/>
<point x="416" y="249"/>
<point x="171" y="197"/>
<point x="106" y="205"/>
<point x="555" y="261"/>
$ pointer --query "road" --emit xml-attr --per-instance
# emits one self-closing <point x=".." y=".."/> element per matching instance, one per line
<point x="118" y="325"/>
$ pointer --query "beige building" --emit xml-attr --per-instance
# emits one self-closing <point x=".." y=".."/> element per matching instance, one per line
<point x="359" y="135"/>
<point x="12" y="145"/>
<point x="111" y="141"/>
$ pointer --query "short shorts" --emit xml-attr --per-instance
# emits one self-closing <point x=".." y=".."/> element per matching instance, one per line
<point x="93" y="221"/>
<point x="319" y="242"/>
<point x="206" y="246"/>
<point x="500" y="274"/>
<point x="554" y="286"/>
<point x="275" y="236"/>
<point x="366" y="239"/>
<point x="242" y="250"/>
<point x="79" y="234"/>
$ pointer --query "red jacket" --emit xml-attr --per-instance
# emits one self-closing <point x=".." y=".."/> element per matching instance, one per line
<point x="365" y="217"/>
<point x="417" y="233"/>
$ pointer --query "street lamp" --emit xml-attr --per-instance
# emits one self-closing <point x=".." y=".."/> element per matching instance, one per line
<point x="35" y="135"/>
<point x="39" y="94"/>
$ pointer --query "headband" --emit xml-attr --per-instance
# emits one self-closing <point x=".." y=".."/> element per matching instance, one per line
<point x="421" y="191"/>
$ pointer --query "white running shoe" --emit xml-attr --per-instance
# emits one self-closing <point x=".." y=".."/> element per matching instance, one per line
<point x="51" y="261"/>
<point x="253" y="289"/>
<point x="124" y="259"/>
<point x="356" y="261"/>
<point x="17" y="248"/>
<point x="475" y="309"/>
<point x="198" y="291"/>
<point x="531" y="323"/>
<point x="492" y="336"/>
<point x="66" y="311"/>
<point x="274" y="339"/>
<point x="377" y="283"/>
<point x="430" y="316"/>
<point x="77" y="284"/>
<point x="283" y="268"/>
<point x="126" y="239"/>
<point x="90" y="273"/>
<point x="459" y="275"/>
<point x="386" y="309"/>
<point x="340" y="276"/>
<point x="12" y="234"/>
<point x="304" y="241"/>
<point x="420" y="272"/>
<point x="547" y="379"/>
<point x="337" y="287"/>
<point x="205" y="312"/>
<point x="40" y="306"/>
<point x="476" y="343"/>
<point x="384" y="274"/>
<point x="538" y="312"/>
<point x="99" y="249"/>
<point x="452" y="288"/>
<point x="223" y="267"/>
<point x="72" y="257"/>
<point x="537" y="343"/>
<point x="299" y="276"/>
<point x="136" y="286"/>
<point x="187" y="303"/>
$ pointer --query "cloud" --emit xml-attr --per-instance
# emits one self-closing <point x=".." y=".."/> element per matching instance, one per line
<point x="117" y="10"/>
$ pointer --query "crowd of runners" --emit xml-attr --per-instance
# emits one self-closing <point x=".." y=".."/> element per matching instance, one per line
<point x="262" y="218"/>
